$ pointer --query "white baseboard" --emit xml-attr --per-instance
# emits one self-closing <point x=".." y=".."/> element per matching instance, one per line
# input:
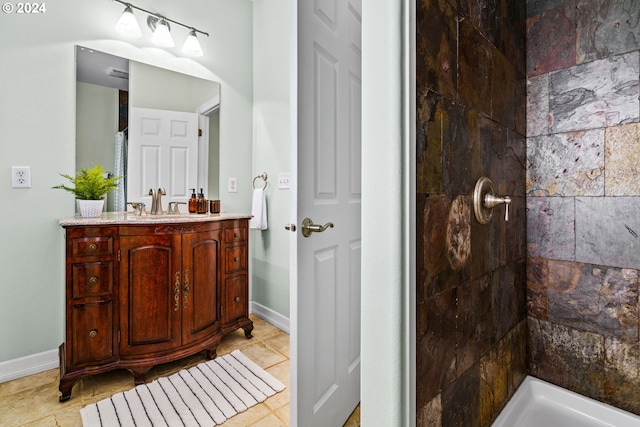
<point x="270" y="316"/>
<point x="28" y="365"/>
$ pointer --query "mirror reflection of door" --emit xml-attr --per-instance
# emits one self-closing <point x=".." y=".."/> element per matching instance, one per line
<point x="109" y="86"/>
<point x="163" y="150"/>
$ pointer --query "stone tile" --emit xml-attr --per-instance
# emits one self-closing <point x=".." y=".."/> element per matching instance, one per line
<point x="460" y="400"/>
<point x="594" y="298"/>
<point x="474" y="69"/>
<point x="436" y="349"/>
<point x="535" y="7"/>
<point x="459" y="233"/>
<point x="468" y="347"/>
<point x="429" y="149"/>
<point x="431" y="413"/>
<point x="566" y="164"/>
<point x="567" y="357"/>
<point x="551" y="228"/>
<point x="608" y="231"/>
<point x="595" y="94"/>
<point x="606" y="28"/>
<point x="503" y="90"/>
<point x="551" y="39"/>
<point x="436" y="47"/>
<point x="439" y="273"/>
<point x="537" y="287"/>
<point x="622" y="370"/>
<point x="510" y="36"/>
<point x="249" y="417"/>
<point x="622" y="157"/>
<point x="538" y="105"/>
<point x="461" y="148"/>
<point x="495" y="366"/>
<point x="284" y="414"/>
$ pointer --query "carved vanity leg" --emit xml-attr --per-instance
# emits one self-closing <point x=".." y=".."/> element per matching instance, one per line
<point x="65" y="388"/>
<point x="247" y="330"/>
<point x="210" y="353"/>
<point x="139" y="374"/>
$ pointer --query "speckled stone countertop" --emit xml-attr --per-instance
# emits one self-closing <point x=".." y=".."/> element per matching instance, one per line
<point x="126" y="218"/>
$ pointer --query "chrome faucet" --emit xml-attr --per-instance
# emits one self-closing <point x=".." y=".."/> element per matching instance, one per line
<point x="156" y="200"/>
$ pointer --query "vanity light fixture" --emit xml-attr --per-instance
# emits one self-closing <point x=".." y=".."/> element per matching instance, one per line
<point x="162" y="34"/>
<point x="159" y="24"/>
<point x="192" y="45"/>
<point x="127" y="24"/>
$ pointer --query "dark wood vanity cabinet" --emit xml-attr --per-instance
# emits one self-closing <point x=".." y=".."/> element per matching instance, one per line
<point x="141" y="295"/>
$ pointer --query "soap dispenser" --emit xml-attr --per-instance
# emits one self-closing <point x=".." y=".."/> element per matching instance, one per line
<point x="193" y="202"/>
<point x="202" y="203"/>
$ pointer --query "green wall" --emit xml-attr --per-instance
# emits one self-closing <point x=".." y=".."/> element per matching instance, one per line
<point x="271" y="152"/>
<point x="37" y="123"/>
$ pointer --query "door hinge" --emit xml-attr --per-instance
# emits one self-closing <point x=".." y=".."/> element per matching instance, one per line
<point x="118" y="336"/>
<point x="118" y="255"/>
<point x="199" y="132"/>
<point x="221" y="311"/>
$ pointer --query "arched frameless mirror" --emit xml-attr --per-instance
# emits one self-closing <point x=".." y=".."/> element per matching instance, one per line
<point x="111" y="91"/>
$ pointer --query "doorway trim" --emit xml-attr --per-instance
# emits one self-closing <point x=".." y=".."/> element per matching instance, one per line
<point x="388" y="387"/>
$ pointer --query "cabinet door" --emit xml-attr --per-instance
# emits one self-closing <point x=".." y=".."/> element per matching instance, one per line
<point x="92" y="333"/>
<point x="200" y="258"/>
<point x="235" y="299"/>
<point x="150" y="293"/>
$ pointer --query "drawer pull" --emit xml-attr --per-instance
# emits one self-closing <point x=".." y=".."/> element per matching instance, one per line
<point x="93" y="247"/>
<point x="93" y="279"/>
<point x="237" y="299"/>
<point x="93" y="333"/>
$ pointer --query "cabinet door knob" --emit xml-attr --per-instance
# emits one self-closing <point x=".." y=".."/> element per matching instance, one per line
<point x="93" y="333"/>
<point x="236" y="259"/>
<point x="93" y="279"/>
<point x="237" y="299"/>
<point x="93" y="247"/>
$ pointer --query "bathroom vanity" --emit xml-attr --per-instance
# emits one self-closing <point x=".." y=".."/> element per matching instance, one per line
<point x="141" y="291"/>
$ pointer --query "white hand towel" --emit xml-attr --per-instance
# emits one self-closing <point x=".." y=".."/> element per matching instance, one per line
<point x="259" y="210"/>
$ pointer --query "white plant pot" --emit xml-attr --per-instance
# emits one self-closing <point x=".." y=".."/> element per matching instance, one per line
<point x="90" y="208"/>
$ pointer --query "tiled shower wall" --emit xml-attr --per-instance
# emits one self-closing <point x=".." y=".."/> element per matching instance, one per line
<point x="471" y="290"/>
<point x="583" y="196"/>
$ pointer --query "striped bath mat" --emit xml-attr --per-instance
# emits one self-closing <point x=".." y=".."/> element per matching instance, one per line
<point x="205" y="395"/>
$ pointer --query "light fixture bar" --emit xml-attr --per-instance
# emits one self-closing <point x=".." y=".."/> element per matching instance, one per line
<point x="161" y="17"/>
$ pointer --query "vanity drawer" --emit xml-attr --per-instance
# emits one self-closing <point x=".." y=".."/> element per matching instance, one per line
<point x="91" y="333"/>
<point x="235" y="259"/>
<point x="91" y="241"/>
<point x="235" y="235"/>
<point x="92" y="279"/>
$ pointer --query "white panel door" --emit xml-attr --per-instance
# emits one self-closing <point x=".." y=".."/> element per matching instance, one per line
<point x="325" y="373"/>
<point x="163" y="152"/>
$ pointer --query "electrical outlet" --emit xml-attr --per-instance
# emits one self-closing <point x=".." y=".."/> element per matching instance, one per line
<point x="232" y="185"/>
<point x="284" y="180"/>
<point x="21" y="176"/>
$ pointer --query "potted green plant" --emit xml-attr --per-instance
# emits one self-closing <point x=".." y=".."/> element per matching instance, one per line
<point x="90" y="187"/>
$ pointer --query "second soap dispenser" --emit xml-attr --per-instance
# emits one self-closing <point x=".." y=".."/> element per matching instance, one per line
<point x="201" y="206"/>
<point x="193" y="202"/>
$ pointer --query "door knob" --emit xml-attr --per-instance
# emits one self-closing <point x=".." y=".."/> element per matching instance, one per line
<point x="484" y="200"/>
<point x="309" y="227"/>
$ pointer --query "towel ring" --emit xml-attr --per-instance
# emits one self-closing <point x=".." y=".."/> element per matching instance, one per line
<point x="263" y="175"/>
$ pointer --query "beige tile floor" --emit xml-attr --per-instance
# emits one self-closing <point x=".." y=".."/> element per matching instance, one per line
<point x="33" y="401"/>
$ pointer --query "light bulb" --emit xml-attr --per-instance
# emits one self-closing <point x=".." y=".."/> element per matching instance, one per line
<point x="192" y="45"/>
<point x="162" y="36"/>
<point x="127" y="24"/>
